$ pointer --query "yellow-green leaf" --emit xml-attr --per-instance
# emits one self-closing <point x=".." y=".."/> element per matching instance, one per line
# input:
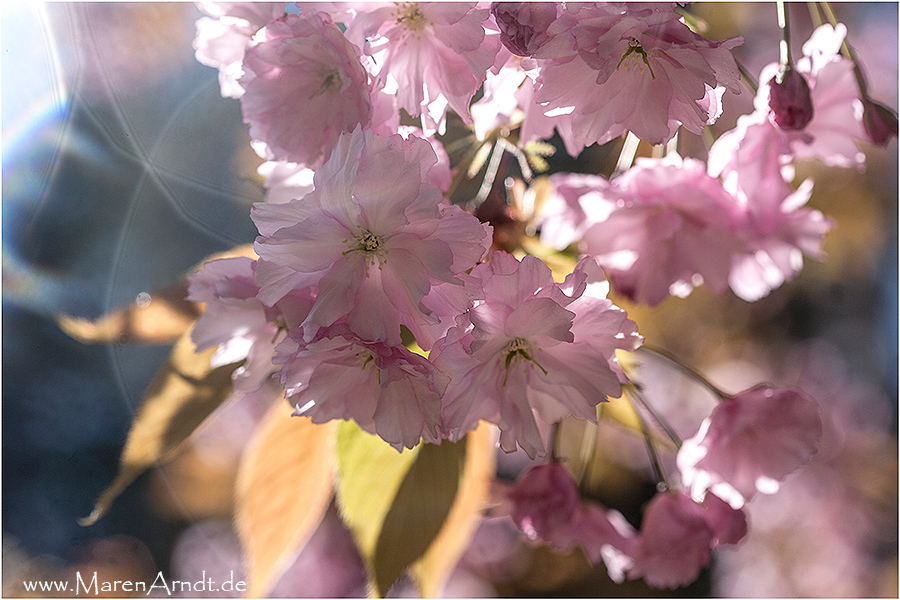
<point x="433" y="568"/>
<point x="394" y="503"/>
<point x="284" y="485"/>
<point x="184" y="392"/>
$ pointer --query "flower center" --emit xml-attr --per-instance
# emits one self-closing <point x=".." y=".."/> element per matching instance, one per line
<point x="410" y="17"/>
<point x="371" y="245"/>
<point x="519" y="348"/>
<point x="330" y="79"/>
<point x="638" y="56"/>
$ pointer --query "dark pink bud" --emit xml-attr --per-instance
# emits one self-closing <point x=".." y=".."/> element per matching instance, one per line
<point x="790" y="100"/>
<point x="546" y="499"/>
<point x="523" y="25"/>
<point x="880" y="122"/>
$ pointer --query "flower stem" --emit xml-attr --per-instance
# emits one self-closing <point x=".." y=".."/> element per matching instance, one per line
<point x="690" y="372"/>
<point x="658" y="471"/>
<point x="657" y="417"/>
<point x="749" y="79"/>
<point x="785" y="25"/>
<point x="814" y="14"/>
<point x="627" y="154"/>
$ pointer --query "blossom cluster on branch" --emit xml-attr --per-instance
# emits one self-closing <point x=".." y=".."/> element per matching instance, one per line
<point x="376" y="299"/>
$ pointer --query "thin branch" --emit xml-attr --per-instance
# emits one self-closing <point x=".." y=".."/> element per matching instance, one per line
<point x="686" y="370"/>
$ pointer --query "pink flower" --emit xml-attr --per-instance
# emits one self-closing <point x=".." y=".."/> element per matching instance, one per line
<point x="432" y="54"/>
<point x="519" y="355"/>
<point x="545" y="503"/>
<point x="635" y="67"/>
<point x="547" y="507"/>
<point x="677" y="535"/>
<point x="672" y="229"/>
<point x="508" y="100"/>
<point x="239" y="324"/>
<point x="387" y="390"/>
<point x="285" y="181"/>
<point x="221" y="40"/>
<point x="373" y="236"/>
<point x="523" y="25"/>
<point x="305" y="86"/>
<point x="577" y="202"/>
<point x="750" y="443"/>
<point x="831" y="134"/>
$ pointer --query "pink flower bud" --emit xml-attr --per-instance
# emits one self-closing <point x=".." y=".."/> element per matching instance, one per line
<point x="546" y="501"/>
<point x="880" y="122"/>
<point x="523" y="25"/>
<point x="790" y="101"/>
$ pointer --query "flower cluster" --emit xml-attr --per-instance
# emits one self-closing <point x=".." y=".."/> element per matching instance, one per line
<point x="377" y="298"/>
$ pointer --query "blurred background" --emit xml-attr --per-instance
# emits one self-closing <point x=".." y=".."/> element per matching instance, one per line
<point x="122" y="167"/>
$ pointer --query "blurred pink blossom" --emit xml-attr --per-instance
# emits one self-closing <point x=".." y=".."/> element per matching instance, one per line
<point x="224" y="35"/>
<point x="242" y="327"/>
<point x="750" y="443"/>
<point x="672" y="228"/>
<point x="304" y="86"/>
<point x="523" y="25"/>
<point x="675" y="541"/>
<point x="790" y="104"/>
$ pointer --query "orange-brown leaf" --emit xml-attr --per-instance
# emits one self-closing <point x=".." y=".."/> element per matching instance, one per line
<point x="284" y="486"/>
<point x="184" y="392"/>
<point x="160" y="317"/>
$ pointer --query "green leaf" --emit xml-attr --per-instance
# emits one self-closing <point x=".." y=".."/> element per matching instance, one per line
<point x="394" y="503"/>
<point x="432" y="569"/>
<point x="184" y="392"/>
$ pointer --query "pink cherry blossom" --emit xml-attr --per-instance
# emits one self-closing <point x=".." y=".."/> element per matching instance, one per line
<point x="831" y="134"/>
<point x="577" y="202"/>
<point x="508" y="100"/>
<point x="519" y="355"/>
<point x="636" y="67"/>
<point x="547" y="507"/>
<point x="239" y="324"/>
<point x="545" y="502"/>
<point x="305" y="86"/>
<point x="387" y="390"/>
<point x="373" y="237"/>
<point x="223" y="37"/>
<point x="674" y="544"/>
<point x="523" y="25"/>
<point x="432" y="54"/>
<point x="672" y="229"/>
<point x="285" y="181"/>
<point x="750" y="443"/>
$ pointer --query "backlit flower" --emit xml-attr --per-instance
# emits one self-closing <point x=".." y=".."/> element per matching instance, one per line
<point x="631" y="67"/>
<point x="519" y="354"/>
<point x="305" y="86"/>
<point x="387" y="390"/>
<point x="373" y="237"/>
<point x="240" y="325"/>
<point x="225" y="34"/>
<point x="672" y="228"/>
<point x="751" y="443"/>
<point x="432" y="54"/>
